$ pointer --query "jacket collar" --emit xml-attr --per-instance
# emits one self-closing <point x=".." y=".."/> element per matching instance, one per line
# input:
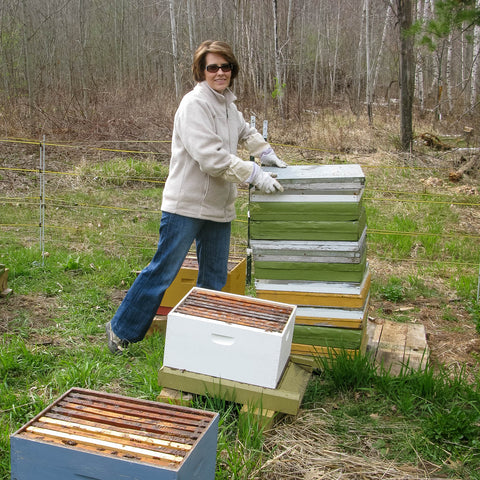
<point x="228" y="96"/>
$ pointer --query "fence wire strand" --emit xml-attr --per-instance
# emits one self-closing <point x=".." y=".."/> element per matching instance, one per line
<point x="369" y="194"/>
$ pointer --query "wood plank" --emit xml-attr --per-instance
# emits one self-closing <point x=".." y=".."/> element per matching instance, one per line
<point x="309" y="196"/>
<point x="334" y="317"/>
<point x="416" y="348"/>
<point x="330" y="322"/>
<point x="374" y="333"/>
<point x="175" y="397"/>
<point x="260" y="416"/>
<point x="308" y="248"/>
<point x="320" y="175"/>
<point x="286" y="398"/>
<point x="317" y="351"/>
<point x="391" y="348"/>
<point x="396" y="345"/>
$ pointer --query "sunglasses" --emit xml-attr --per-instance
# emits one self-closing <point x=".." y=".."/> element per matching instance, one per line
<point x="225" y="67"/>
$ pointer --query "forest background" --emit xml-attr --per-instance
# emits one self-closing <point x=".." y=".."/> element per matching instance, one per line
<point x="100" y="68"/>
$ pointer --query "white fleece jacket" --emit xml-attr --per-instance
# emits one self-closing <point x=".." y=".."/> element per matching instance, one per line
<point x="204" y="167"/>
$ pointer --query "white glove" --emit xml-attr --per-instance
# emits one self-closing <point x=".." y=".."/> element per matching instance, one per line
<point x="269" y="159"/>
<point x="265" y="182"/>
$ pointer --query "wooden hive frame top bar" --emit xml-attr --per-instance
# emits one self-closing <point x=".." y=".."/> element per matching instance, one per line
<point x="235" y="309"/>
<point x="123" y="427"/>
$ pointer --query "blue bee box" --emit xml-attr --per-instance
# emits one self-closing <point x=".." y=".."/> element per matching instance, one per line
<point x="99" y="436"/>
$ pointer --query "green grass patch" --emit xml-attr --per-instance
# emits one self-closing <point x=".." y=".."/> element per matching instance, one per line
<point x="439" y="411"/>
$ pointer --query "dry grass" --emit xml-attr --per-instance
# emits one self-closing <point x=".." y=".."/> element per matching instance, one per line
<point x="306" y="449"/>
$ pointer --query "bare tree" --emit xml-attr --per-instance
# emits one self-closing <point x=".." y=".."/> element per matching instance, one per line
<point x="278" y="71"/>
<point x="475" y="62"/>
<point x="368" y="67"/>
<point x="381" y="50"/>
<point x="406" y="73"/>
<point x="174" y="49"/>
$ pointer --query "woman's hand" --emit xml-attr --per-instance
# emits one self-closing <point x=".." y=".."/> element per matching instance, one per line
<point x="265" y="182"/>
<point x="269" y="159"/>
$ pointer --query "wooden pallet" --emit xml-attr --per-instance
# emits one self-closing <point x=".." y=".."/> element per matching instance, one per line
<point x="397" y="346"/>
<point x="286" y="398"/>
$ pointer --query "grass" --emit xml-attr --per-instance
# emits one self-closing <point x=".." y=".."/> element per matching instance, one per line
<point x="102" y="226"/>
<point x="440" y="412"/>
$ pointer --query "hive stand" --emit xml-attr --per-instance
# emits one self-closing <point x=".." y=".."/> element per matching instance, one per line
<point x="234" y="348"/>
<point x="396" y="346"/>
<point x="264" y="403"/>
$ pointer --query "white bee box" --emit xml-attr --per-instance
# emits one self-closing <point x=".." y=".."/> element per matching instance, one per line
<point x="230" y="336"/>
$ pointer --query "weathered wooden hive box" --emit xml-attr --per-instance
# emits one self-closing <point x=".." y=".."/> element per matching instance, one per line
<point x="319" y="202"/>
<point x="186" y="279"/>
<point x="309" y="249"/>
<point x="321" y="261"/>
<point x="230" y="336"/>
<point x="100" y="436"/>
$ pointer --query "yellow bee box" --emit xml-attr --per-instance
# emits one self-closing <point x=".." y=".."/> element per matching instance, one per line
<point x="187" y="279"/>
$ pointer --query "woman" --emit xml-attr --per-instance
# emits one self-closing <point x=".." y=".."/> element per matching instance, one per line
<point x="200" y="191"/>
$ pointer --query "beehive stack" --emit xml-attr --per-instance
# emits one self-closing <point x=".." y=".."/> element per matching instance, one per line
<point x="309" y="249"/>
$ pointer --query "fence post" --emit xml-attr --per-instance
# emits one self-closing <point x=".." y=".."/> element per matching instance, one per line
<point x="42" y="200"/>
<point x="478" y="283"/>
<point x="249" y="250"/>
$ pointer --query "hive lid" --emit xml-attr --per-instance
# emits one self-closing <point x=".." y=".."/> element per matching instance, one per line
<point x="319" y="174"/>
<point x="120" y="427"/>
<point x="316" y="183"/>
<point x="235" y="309"/>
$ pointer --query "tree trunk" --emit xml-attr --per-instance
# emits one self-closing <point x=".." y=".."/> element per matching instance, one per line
<point x="476" y="62"/>
<point x="448" y="73"/>
<point x="26" y="53"/>
<point x="419" y="74"/>
<point x="335" y="57"/>
<point x="368" y="46"/>
<point x="406" y="73"/>
<point x="191" y="26"/>
<point x="381" y="49"/>
<point x="174" y="49"/>
<point x="359" y="66"/>
<point x="278" y="71"/>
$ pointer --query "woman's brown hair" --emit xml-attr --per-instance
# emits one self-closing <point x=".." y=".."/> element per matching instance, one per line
<point x="213" y="46"/>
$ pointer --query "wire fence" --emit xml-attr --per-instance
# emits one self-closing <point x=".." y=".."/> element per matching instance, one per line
<point x="375" y="197"/>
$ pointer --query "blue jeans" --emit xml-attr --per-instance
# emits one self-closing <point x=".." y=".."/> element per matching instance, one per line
<point x="177" y="233"/>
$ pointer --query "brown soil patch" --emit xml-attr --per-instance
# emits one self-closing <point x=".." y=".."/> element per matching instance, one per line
<point x="27" y="311"/>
